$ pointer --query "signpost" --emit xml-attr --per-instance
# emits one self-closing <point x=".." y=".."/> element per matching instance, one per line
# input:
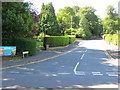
<point x="7" y="50"/>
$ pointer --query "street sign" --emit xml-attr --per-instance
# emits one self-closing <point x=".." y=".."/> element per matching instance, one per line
<point x="7" y="50"/>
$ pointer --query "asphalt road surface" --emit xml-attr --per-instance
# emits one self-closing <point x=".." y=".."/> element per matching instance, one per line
<point x="83" y="67"/>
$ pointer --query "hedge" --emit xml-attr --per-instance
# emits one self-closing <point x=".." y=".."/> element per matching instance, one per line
<point x="71" y="39"/>
<point x="54" y="41"/>
<point x="25" y="44"/>
<point x="114" y="39"/>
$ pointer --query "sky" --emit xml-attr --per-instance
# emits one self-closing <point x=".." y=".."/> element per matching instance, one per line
<point x="99" y="5"/>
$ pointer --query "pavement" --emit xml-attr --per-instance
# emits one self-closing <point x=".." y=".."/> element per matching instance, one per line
<point x="113" y="51"/>
<point x="81" y="65"/>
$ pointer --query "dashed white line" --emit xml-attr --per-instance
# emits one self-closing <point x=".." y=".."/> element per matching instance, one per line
<point x="76" y="68"/>
<point x="80" y="73"/>
<point x="86" y="50"/>
<point x="97" y="73"/>
<point x="82" y="56"/>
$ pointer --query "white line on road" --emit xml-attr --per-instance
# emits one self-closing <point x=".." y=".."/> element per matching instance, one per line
<point x="76" y="68"/>
<point x="97" y="73"/>
<point x="79" y="43"/>
<point x="86" y="50"/>
<point x="82" y="56"/>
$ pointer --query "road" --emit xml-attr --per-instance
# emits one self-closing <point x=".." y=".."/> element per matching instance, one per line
<point x="83" y="67"/>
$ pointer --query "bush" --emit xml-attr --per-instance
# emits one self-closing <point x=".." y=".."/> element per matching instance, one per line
<point x="54" y="41"/>
<point x="25" y="44"/>
<point x="114" y="39"/>
<point x="71" y="39"/>
<point x="71" y="31"/>
<point x="81" y="33"/>
<point x="108" y="37"/>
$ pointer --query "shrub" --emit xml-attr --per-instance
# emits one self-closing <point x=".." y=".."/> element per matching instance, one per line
<point x="114" y="39"/>
<point x="71" y="31"/>
<point x="54" y="41"/>
<point x="81" y="33"/>
<point x="108" y="37"/>
<point x="25" y="44"/>
<point x="71" y="39"/>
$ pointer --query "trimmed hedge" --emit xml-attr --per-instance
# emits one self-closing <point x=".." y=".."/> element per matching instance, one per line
<point x="54" y="41"/>
<point x="71" y="39"/>
<point x="25" y="44"/>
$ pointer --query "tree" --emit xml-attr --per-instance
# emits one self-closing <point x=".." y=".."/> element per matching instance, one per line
<point x="48" y="22"/>
<point x="65" y="18"/>
<point x="93" y="21"/>
<point x="16" y="21"/>
<point x="111" y="25"/>
<point x="76" y="9"/>
<point x="83" y="31"/>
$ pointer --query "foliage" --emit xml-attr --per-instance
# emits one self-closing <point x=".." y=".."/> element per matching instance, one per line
<point x="113" y="38"/>
<point x="111" y="25"/>
<point x="72" y="39"/>
<point x="76" y="9"/>
<point x="67" y="19"/>
<point x="16" y="21"/>
<point x="40" y="37"/>
<point x="48" y="22"/>
<point x="25" y="44"/>
<point x="83" y="31"/>
<point x="71" y="31"/>
<point x="93" y="21"/>
<point x="54" y="41"/>
<point x="39" y="45"/>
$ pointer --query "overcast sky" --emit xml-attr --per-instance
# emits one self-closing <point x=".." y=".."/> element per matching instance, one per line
<point x="99" y="5"/>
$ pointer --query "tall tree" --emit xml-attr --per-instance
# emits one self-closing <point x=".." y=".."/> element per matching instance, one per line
<point x="89" y="13"/>
<point x="16" y="21"/>
<point x="84" y="31"/>
<point x="76" y="9"/>
<point x="111" y="25"/>
<point x="48" y="22"/>
<point x="66" y="19"/>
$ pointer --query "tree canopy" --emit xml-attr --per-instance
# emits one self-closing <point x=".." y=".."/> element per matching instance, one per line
<point x="16" y="21"/>
<point x="67" y="19"/>
<point x="89" y="13"/>
<point x="111" y="25"/>
<point x="48" y="22"/>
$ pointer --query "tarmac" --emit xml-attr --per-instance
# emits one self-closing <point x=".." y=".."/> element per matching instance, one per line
<point x="112" y="52"/>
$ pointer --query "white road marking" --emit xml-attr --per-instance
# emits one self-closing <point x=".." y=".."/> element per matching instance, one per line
<point x="79" y="43"/>
<point x="13" y="72"/>
<point x="86" y="50"/>
<point x="82" y="56"/>
<point x="112" y="73"/>
<point x="64" y="73"/>
<point x="76" y="68"/>
<point x="80" y="73"/>
<point x="97" y="73"/>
